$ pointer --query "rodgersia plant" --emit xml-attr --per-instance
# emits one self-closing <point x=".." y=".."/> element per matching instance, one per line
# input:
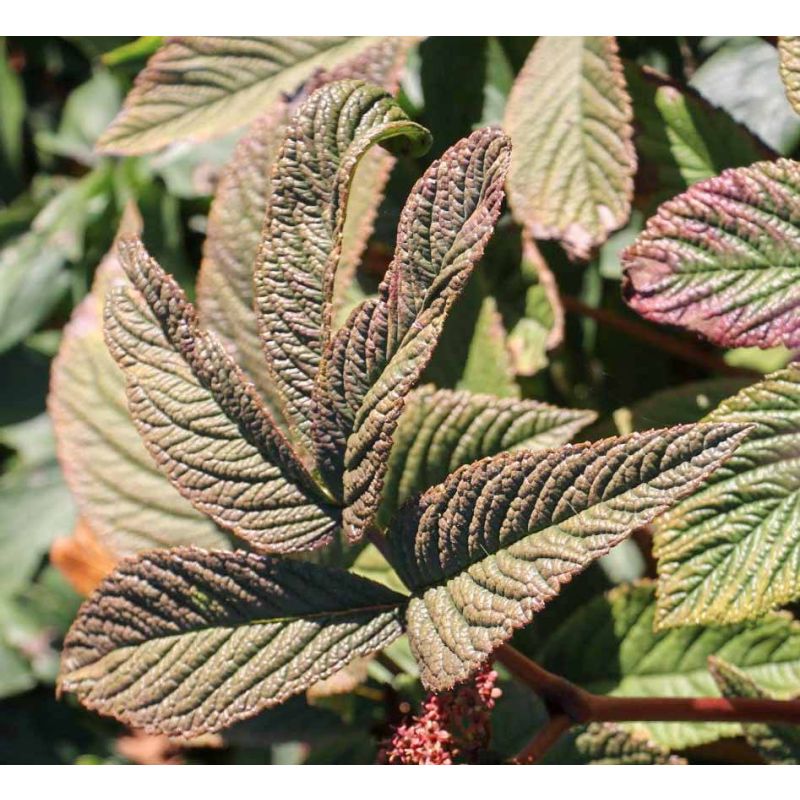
<point x="281" y="433"/>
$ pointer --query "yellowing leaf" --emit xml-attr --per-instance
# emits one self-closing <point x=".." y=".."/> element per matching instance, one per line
<point x="789" y="52"/>
<point x="569" y="118"/>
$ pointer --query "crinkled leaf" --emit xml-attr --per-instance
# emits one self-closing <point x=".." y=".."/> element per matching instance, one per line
<point x="379" y="355"/>
<point x="723" y="258"/>
<point x="789" y="54"/>
<point x="203" y="86"/>
<point x="188" y="641"/>
<point x="488" y="548"/>
<point x="778" y="744"/>
<point x="569" y="118"/>
<point x="681" y="138"/>
<point x="731" y="551"/>
<point x="302" y="238"/>
<point x="202" y="421"/>
<point x="440" y="431"/>
<point x="607" y="743"/>
<point x="225" y="283"/>
<point x="609" y="646"/>
<point x="125" y="499"/>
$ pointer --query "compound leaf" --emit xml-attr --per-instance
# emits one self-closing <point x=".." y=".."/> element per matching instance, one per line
<point x="488" y="548"/>
<point x="125" y="499"/>
<point x="440" y="431"/>
<point x="202" y="86"/>
<point x="723" y="258"/>
<point x="202" y="421"/>
<point x="569" y="117"/>
<point x="188" y="641"/>
<point x="609" y="646"/>
<point x="789" y="54"/>
<point x="302" y="238"/>
<point x="731" y="551"/>
<point x="778" y="744"/>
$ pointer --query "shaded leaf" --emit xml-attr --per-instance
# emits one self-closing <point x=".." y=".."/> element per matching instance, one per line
<point x="126" y="501"/>
<point x="202" y="421"/>
<point x="778" y="744"/>
<point x="188" y="641"/>
<point x="789" y="55"/>
<point x="607" y="743"/>
<point x="440" y="431"/>
<point x="12" y="101"/>
<point x="722" y="259"/>
<point x="569" y="117"/>
<point x="491" y="545"/>
<point x="609" y="646"/>
<point x="731" y="552"/>
<point x="302" y="238"/>
<point x="203" y="86"/>
<point x="15" y="672"/>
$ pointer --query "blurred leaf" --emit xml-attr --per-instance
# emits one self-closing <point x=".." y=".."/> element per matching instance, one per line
<point x="12" y="118"/>
<point x="498" y="82"/>
<point x="742" y="77"/>
<point x="15" y="673"/>
<point x="371" y="564"/>
<point x="137" y="50"/>
<point x="22" y="396"/>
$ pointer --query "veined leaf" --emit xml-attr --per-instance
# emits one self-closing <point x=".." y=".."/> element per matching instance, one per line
<point x="203" y="422"/>
<point x="723" y="258"/>
<point x="188" y="641"/>
<point x="126" y="501"/>
<point x="488" y="548"/>
<point x="440" y="431"/>
<point x="569" y="117"/>
<point x="681" y="138"/>
<point x="379" y="355"/>
<point x="778" y="744"/>
<point x="302" y="237"/>
<point x="607" y="743"/>
<point x="789" y="52"/>
<point x="225" y="283"/>
<point x="609" y="646"/>
<point x="202" y="86"/>
<point x="731" y="551"/>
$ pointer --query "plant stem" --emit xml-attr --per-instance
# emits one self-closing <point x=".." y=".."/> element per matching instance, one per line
<point x="569" y="704"/>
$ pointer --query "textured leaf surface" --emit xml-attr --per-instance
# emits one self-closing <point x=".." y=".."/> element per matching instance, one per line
<point x="607" y="743"/>
<point x="732" y="551"/>
<point x="202" y="86"/>
<point x="488" y="548"/>
<point x="569" y="118"/>
<point x="441" y="431"/>
<point x="302" y="237"/>
<point x="225" y="283"/>
<point x="188" y="641"/>
<point x="381" y="352"/>
<point x="789" y="52"/>
<point x="681" y="138"/>
<point x="202" y="421"/>
<point x="609" y="646"/>
<point x="723" y="258"/>
<point x="125" y="499"/>
<point x="778" y="744"/>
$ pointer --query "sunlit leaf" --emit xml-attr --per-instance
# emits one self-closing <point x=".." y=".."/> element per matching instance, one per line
<point x="723" y="258"/>
<point x="188" y="641"/>
<point x="493" y="544"/>
<point x="789" y="53"/>
<point x="569" y="118"/>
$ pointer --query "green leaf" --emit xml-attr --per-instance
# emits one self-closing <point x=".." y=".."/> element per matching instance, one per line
<point x="12" y="120"/>
<point x="379" y="356"/>
<point x="723" y="258"/>
<point x="789" y="55"/>
<point x="15" y="672"/>
<point x="609" y="646"/>
<point x="681" y="138"/>
<point x="202" y="421"/>
<point x="440" y="431"/>
<point x="731" y="552"/>
<point x="490" y="546"/>
<point x="569" y="118"/>
<point x="203" y="86"/>
<point x="607" y="743"/>
<point x="129" y="504"/>
<point x="188" y="641"/>
<point x="778" y="744"/>
<point x="302" y="238"/>
<point x="743" y="77"/>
